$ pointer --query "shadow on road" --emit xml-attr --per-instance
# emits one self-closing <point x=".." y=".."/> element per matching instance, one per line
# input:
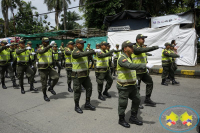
<point x="113" y="94"/>
<point x="128" y="114"/>
<point x="143" y="98"/>
<point x="96" y="104"/>
<point x="61" y="95"/>
<point x="58" y="84"/>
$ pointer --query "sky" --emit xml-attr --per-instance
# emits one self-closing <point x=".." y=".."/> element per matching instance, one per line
<point x="42" y="8"/>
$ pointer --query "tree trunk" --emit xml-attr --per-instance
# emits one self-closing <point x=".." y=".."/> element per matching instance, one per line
<point x="140" y="4"/>
<point x="6" y="22"/>
<point x="65" y="9"/>
<point x="56" y="19"/>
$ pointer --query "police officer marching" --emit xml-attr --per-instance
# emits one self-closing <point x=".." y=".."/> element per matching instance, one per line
<point x="139" y="56"/>
<point x="46" y="67"/>
<point x="126" y="85"/>
<point x="14" y="57"/>
<point x="23" y="66"/>
<point x="102" y="71"/>
<point x="56" y="57"/>
<point x="68" y="64"/>
<point x="33" y="59"/>
<point x="167" y="56"/>
<point x="80" y="74"/>
<point x="5" y="58"/>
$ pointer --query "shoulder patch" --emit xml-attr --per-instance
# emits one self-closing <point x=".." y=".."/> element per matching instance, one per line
<point x="77" y="51"/>
<point x="124" y="60"/>
<point x="166" y="52"/>
<point x="39" y="49"/>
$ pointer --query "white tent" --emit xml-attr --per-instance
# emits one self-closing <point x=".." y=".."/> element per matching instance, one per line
<point x="185" y="37"/>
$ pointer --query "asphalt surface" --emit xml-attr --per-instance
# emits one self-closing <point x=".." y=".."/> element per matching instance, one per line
<point x="29" y="113"/>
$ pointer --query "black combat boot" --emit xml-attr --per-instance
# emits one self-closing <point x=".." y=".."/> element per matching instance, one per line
<point x="174" y="82"/>
<point x="32" y="88"/>
<point x="78" y="109"/>
<point x="14" y="83"/>
<point x="123" y="122"/>
<point x="164" y="82"/>
<point x="51" y="90"/>
<point x="105" y="93"/>
<point x="22" y="89"/>
<point x="101" y="97"/>
<point x="3" y="83"/>
<point x="149" y="102"/>
<point x="45" y="96"/>
<point x="69" y="87"/>
<point x="134" y="120"/>
<point x="88" y="105"/>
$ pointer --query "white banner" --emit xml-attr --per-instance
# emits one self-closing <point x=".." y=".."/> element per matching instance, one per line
<point x="171" y="19"/>
<point x="186" y="39"/>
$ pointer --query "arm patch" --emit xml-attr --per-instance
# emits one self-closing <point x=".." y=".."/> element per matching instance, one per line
<point x="124" y="60"/>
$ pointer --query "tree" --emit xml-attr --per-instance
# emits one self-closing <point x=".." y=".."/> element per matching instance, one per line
<point x="57" y="5"/>
<point x="94" y="14"/>
<point x="5" y="6"/>
<point x="27" y="7"/>
<point x="70" y="21"/>
<point x="82" y="2"/>
<point x="26" y="23"/>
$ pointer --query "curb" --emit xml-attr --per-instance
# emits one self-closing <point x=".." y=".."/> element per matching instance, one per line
<point x="177" y="72"/>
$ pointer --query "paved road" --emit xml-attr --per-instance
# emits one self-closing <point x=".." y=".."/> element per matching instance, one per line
<point x="30" y="113"/>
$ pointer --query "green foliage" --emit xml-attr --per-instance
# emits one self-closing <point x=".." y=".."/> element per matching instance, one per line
<point x="94" y="14"/>
<point x="26" y="23"/>
<point x="58" y="6"/>
<point x="71" y="18"/>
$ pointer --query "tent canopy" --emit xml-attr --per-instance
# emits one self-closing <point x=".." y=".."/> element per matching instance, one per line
<point x="46" y="34"/>
<point x="185" y="39"/>
<point x="127" y="14"/>
<point x="128" y="20"/>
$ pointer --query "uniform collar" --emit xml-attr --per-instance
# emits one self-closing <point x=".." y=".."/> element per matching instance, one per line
<point x="79" y="49"/>
<point x="138" y="44"/>
<point x="124" y="54"/>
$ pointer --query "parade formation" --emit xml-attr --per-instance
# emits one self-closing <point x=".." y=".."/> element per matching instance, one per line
<point x="129" y="64"/>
